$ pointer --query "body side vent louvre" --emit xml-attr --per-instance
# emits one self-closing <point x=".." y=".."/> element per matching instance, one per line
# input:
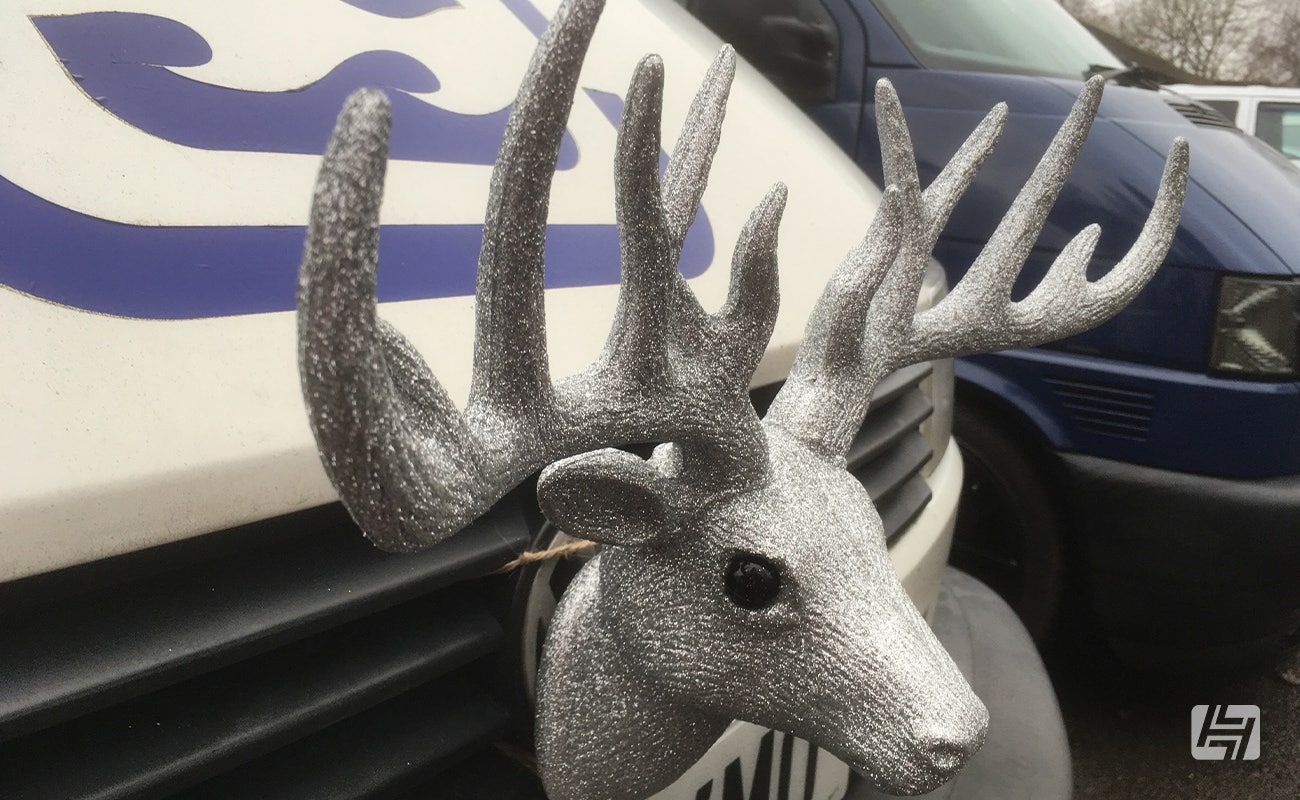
<point x="1120" y="411"/>
<point x="1200" y="114"/>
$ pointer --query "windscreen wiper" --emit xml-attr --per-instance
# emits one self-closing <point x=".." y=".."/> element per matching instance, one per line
<point x="1130" y="75"/>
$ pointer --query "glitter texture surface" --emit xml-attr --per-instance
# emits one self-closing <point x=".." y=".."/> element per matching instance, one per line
<point x="648" y="659"/>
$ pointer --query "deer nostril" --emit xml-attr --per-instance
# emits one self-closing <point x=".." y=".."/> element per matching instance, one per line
<point x="945" y="756"/>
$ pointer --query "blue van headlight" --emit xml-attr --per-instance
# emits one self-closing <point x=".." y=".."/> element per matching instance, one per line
<point x="1255" y="330"/>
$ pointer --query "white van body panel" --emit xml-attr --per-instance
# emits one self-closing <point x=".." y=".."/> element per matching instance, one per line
<point x="1247" y="100"/>
<point x="125" y="433"/>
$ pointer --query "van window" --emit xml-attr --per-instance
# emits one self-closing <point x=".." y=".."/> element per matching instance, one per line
<point x="1279" y="125"/>
<point x="1023" y="37"/>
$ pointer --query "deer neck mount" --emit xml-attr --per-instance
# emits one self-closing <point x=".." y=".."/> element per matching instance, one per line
<point x="745" y="574"/>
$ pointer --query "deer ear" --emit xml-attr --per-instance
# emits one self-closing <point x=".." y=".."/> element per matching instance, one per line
<point x="606" y="496"/>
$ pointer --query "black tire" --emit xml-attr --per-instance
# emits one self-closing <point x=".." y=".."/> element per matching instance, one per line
<point x="1009" y="532"/>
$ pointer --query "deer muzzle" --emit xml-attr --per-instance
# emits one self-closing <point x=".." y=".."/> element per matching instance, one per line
<point x="924" y="721"/>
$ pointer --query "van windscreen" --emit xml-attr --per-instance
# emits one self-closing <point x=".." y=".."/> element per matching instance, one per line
<point x="1024" y="37"/>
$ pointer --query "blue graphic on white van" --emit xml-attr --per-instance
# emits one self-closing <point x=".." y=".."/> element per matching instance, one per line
<point x="120" y="61"/>
<point x="402" y="9"/>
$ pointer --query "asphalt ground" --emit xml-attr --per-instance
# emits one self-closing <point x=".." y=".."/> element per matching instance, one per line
<point x="1130" y="735"/>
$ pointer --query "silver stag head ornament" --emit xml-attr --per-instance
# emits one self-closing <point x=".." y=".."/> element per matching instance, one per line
<point x="745" y="574"/>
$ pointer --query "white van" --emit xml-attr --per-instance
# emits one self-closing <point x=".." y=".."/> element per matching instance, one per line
<point x="188" y="610"/>
<point x="1272" y="113"/>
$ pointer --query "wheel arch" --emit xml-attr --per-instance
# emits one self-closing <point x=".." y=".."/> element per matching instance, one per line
<point x="1019" y="433"/>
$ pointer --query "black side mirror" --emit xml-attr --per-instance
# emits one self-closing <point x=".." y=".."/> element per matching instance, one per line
<point x="799" y="56"/>
<point x="793" y="42"/>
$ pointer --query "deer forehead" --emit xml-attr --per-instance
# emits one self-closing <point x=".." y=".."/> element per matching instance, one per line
<point x="805" y="498"/>
<point x="793" y="513"/>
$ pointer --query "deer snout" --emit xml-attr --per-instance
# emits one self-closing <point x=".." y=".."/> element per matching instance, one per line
<point x="944" y="749"/>
<point x="941" y="746"/>
<point x="921" y="721"/>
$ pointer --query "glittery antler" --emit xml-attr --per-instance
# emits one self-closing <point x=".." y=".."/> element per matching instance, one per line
<point x="409" y="466"/>
<point x="864" y="326"/>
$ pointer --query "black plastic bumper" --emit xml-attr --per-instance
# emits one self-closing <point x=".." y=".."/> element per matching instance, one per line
<point x="1198" y="569"/>
<point x="1026" y="755"/>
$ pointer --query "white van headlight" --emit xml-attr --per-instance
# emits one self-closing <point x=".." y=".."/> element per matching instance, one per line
<point x="1255" y="330"/>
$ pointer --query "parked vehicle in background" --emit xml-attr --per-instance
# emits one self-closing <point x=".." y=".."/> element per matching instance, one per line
<point x="187" y="609"/>
<point x="1272" y="113"/>
<point x="1157" y="456"/>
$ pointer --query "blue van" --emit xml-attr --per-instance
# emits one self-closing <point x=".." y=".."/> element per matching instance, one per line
<point x="1158" y="454"/>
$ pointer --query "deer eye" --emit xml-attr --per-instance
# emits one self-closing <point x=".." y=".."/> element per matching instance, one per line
<point x="752" y="581"/>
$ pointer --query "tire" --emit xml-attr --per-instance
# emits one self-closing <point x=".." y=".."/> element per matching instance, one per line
<point x="1009" y="532"/>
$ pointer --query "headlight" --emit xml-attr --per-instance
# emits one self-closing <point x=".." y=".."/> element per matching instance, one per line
<point x="939" y="386"/>
<point x="1256" y="328"/>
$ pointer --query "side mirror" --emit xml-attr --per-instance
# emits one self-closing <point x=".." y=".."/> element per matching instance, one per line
<point x="799" y="56"/>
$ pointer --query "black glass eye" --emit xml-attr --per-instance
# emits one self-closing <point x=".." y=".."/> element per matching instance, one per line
<point x="752" y="581"/>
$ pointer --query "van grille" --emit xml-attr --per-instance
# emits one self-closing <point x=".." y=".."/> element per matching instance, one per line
<point x="284" y="659"/>
<point x="292" y="659"/>
<point x="1118" y="411"/>
<point x="1201" y="114"/>
<point x="889" y="451"/>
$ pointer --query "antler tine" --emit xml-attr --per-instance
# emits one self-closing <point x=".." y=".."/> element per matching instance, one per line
<point x="670" y="371"/>
<point x="942" y="195"/>
<point x="409" y="467"/>
<point x="688" y="170"/>
<point x="651" y="285"/>
<point x="866" y="308"/>
<point x="823" y="399"/>
<point x="638" y="337"/>
<point x="1044" y="315"/>
<point x="749" y="314"/>
<point x="368" y="394"/>
<point x="897" y="159"/>
<point x="511" y="367"/>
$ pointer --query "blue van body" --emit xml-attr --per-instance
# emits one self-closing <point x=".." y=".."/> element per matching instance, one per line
<point x="1177" y="486"/>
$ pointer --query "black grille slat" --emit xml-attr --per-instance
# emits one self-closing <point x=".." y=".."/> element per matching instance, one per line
<point x="887" y="426"/>
<point x="192" y="730"/>
<point x="888" y="451"/>
<point x="489" y="774"/>
<point x="902" y="507"/>
<point x="895" y="383"/>
<point x="1078" y="401"/>
<point x="84" y="652"/>
<point x="385" y="749"/>
<point x="892" y="469"/>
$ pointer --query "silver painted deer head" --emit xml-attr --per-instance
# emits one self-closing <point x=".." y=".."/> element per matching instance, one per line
<point x="746" y="575"/>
